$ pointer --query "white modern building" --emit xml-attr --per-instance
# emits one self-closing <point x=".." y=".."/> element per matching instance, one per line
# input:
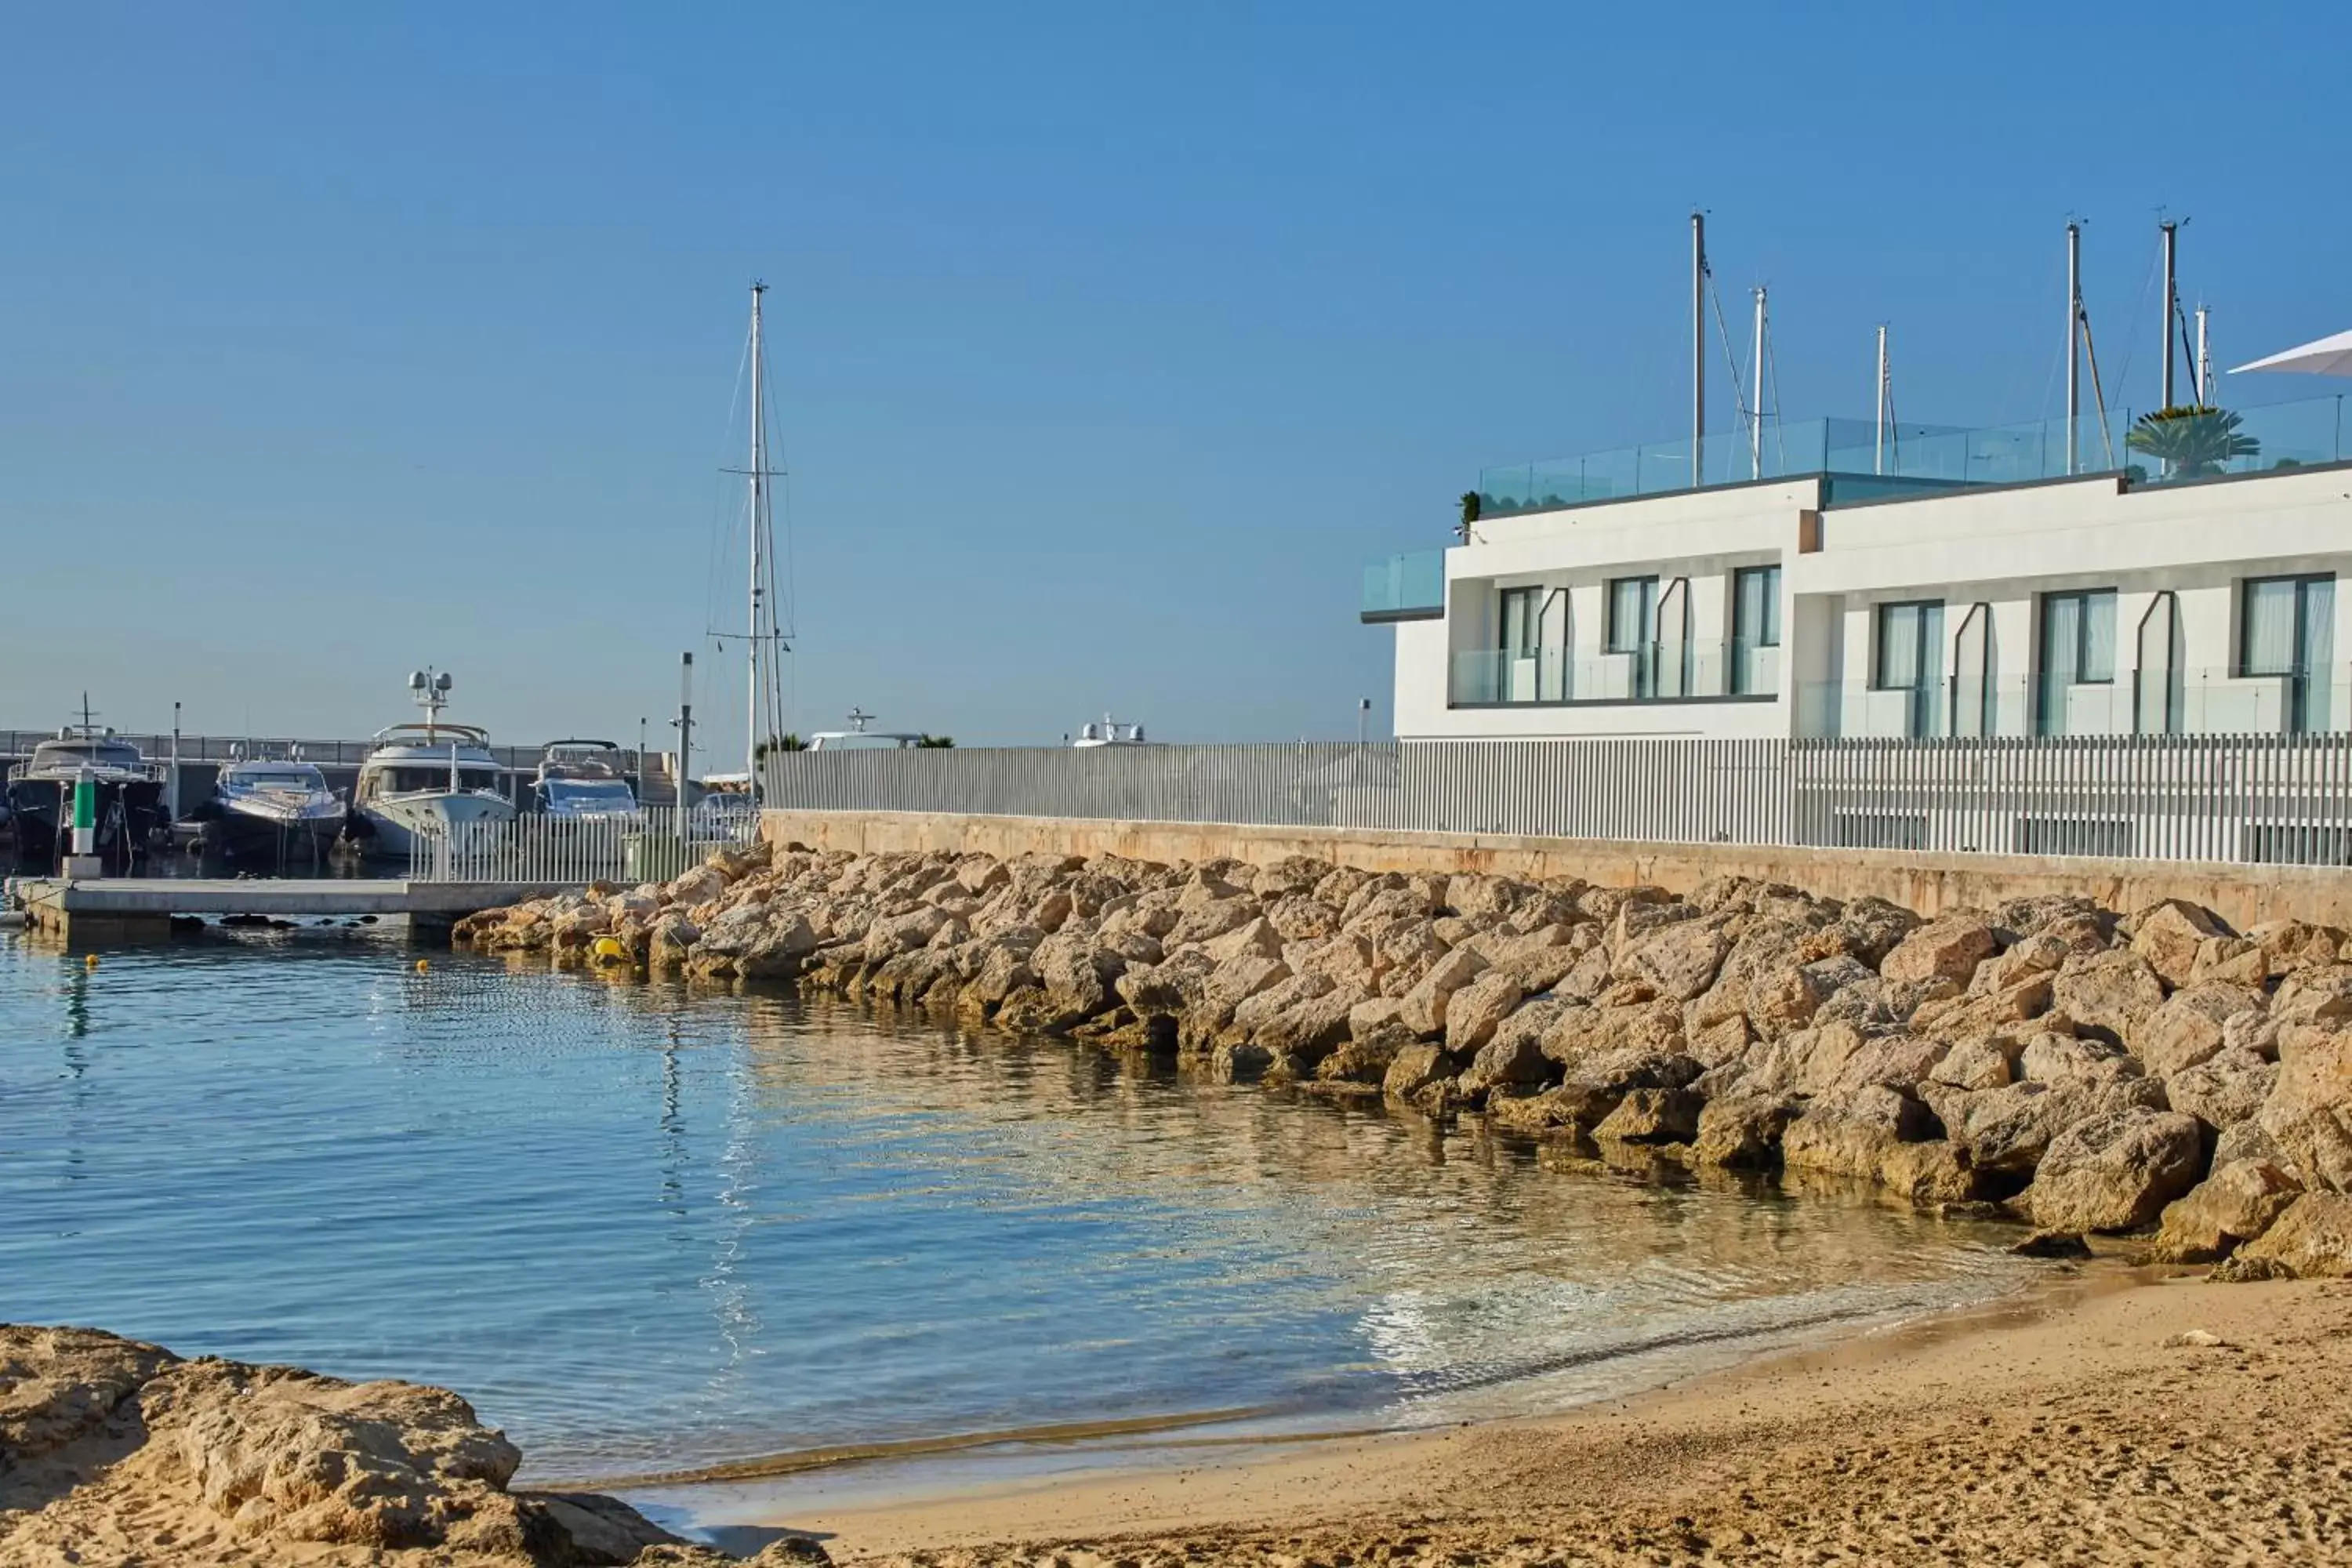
<point x="1962" y="583"/>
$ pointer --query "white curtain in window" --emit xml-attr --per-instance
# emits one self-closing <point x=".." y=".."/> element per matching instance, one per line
<point x="2098" y="637"/>
<point x="2269" y="626"/>
<point x="2319" y="651"/>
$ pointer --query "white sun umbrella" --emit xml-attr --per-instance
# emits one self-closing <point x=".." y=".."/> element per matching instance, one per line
<point x="2328" y="356"/>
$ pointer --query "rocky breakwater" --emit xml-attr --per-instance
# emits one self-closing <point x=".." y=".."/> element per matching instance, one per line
<point x="112" y="1451"/>
<point x="2080" y="1068"/>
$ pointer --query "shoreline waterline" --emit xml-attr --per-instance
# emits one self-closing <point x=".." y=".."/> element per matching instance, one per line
<point x="1266" y="1425"/>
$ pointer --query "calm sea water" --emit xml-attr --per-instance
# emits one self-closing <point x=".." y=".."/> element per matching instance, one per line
<point x="647" y="1229"/>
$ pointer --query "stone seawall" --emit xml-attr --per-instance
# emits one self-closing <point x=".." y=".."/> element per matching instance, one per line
<point x="1925" y="884"/>
<point x="2081" y="1068"/>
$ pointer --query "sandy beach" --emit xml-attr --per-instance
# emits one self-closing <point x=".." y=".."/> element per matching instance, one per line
<point x="2113" y="1417"/>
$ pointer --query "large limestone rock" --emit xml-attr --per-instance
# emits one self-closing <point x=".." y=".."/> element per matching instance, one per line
<point x="1951" y="946"/>
<point x="1416" y="1068"/>
<point x="2168" y="936"/>
<point x="293" y="1467"/>
<point x="2320" y="996"/>
<point x="2309" y="1114"/>
<point x="1595" y="1084"/>
<point x="2222" y="1090"/>
<point x="1473" y="1012"/>
<point x="1652" y="1116"/>
<point x="1788" y="998"/>
<point x="2187" y="1028"/>
<point x="1879" y="1134"/>
<point x="2008" y="1129"/>
<point x="2108" y="994"/>
<point x="2312" y="1240"/>
<point x="2234" y="1204"/>
<point x="1512" y="1060"/>
<point x="1425" y="1005"/>
<point x="1679" y="960"/>
<point x="1742" y="1130"/>
<point x="2116" y="1172"/>
<point x="1654" y="1027"/>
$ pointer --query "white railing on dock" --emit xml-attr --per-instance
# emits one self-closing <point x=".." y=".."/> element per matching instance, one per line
<point x="648" y="845"/>
<point x="2266" y="799"/>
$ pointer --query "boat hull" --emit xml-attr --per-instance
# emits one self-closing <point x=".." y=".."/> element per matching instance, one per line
<point x="129" y="813"/>
<point x="395" y="825"/>
<point x="255" y="839"/>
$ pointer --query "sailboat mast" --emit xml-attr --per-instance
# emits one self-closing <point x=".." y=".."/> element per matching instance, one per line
<point x="752" y="706"/>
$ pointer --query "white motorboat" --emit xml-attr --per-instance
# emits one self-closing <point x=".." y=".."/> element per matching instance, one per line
<point x="128" y="800"/>
<point x="426" y="781"/>
<point x="275" y="810"/>
<point x="577" y="781"/>
<point x="1109" y="731"/>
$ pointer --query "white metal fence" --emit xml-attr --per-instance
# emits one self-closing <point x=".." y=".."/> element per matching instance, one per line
<point x="2278" y="799"/>
<point x="650" y="845"/>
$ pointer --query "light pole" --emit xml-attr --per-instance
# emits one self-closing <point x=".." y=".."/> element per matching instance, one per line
<point x="175" y="762"/>
<point x="641" y="759"/>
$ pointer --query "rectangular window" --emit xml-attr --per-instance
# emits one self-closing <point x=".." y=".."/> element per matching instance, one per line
<point x="1632" y="614"/>
<point x="1756" y="607"/>
<point x="1910" y="659"/>
<point x="2287" y="627"/>
<point x="2078" y="649"/>
<point x="1521" y="613"/>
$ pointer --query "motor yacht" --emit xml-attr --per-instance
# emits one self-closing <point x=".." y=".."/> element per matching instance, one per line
<point x="129" y="806"/>
<point x="424" y="781"/>
<point x="271" y="811"/>
<point x="579" y="781"/>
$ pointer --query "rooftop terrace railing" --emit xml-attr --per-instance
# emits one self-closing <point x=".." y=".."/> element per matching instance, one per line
<point x="2279" y="435"/>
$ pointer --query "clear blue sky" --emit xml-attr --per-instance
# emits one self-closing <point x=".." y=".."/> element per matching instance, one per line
<point x="1108" y="340"/>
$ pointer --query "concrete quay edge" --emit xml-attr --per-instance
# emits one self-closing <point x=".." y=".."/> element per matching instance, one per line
<point x="1928" y="884"/>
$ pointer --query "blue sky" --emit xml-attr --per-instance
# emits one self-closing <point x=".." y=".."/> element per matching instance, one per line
<point x="1109" y="341"/>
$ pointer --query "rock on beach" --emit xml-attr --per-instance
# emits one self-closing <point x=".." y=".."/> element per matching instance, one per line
<point x="121" y="1448"/>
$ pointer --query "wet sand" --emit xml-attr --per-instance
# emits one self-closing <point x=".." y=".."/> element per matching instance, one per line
<point x="2073" y="1425"/>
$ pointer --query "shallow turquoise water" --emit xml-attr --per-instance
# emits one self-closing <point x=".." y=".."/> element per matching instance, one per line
<point x="646" y="1229"/>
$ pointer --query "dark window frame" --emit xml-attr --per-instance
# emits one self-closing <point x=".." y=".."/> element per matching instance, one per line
<point x="1770" y="603"/>
<point x="1616" y="641"/>
<point x="1878" y="643"/>
<point x="1532" y="624"/>
<point x="2081" y="634"/>
<point x="2244" y="651"/>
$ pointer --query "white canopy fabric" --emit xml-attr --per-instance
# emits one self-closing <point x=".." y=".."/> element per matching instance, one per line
<point x="2328" y="356"/>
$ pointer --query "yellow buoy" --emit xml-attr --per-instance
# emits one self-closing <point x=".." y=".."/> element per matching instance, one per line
<point x="610" y="950"/>
<point x="422" y="966"/>
<point x="89" y="961"/>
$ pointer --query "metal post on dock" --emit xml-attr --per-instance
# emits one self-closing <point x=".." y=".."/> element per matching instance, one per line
<point x="685" y="738"/>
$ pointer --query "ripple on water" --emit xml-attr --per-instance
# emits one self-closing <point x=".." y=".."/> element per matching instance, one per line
<point x="645" y="1229"/>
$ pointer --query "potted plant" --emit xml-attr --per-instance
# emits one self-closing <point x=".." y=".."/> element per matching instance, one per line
<point x="2191" y="440"/>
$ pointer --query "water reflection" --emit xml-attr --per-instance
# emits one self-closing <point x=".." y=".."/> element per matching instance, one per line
<point x="649" y="1227"/>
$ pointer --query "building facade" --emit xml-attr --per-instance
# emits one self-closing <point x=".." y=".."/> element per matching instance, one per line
<point x="1889" y="605"/>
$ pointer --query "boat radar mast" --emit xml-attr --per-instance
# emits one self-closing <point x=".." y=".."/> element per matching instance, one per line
<point x="429" y="689"/>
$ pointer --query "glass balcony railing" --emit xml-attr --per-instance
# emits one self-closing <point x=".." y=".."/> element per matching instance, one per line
<point x="1921" y="459"/>
<point x="1652" y="673"/>
<point x="1409" y="587"/>
<point x="2186" y="702"/>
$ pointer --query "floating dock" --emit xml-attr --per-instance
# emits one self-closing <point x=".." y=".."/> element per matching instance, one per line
<point x="131" y="909"/>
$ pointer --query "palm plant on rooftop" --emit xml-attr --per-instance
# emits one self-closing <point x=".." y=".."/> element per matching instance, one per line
<point x="2192" y="438"/>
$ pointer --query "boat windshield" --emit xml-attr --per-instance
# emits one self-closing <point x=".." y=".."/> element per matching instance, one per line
<point x="609" y="793"/>
<point x="414" y="779"/>
<point x="278" y="778"/>
<point x="84" y="753"/>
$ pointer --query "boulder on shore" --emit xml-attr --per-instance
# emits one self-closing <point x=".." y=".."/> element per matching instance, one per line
<point x="110" y="1439"/>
